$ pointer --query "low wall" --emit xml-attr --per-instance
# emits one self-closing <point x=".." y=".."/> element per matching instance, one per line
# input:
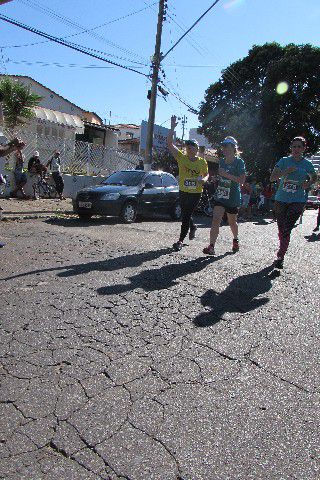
<point x="72" y="184"/>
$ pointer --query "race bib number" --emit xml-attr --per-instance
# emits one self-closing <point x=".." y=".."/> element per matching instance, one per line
<point x="190" y="183"/>
<point x="223" y="193"/>
<point x="223" y="190"/>
<point x="290" y="186"/>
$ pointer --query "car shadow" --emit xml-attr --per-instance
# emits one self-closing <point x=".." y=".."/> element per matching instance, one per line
<point x="239" y="296"/>
<point x="126" y="261"/>
<point x="161" y="278"/>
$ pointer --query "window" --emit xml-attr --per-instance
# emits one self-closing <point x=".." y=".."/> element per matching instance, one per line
<point x="154" y="179"/>
<point x="169" y="181"/>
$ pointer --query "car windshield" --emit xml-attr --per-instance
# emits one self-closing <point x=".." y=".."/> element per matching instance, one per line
<point x="312" y="198"/>
<point x="132" y="178"/>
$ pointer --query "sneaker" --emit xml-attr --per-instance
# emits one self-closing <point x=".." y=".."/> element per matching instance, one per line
<point x="192" y="233"/>
<point x="177" y="246"/>
<point x="235" y="245"/>
<point x="316" y="229"/>
<point x="278" y="263"/>
<point x="209" y="250"/>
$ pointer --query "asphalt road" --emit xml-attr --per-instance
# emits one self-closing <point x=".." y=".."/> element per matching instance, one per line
<point x="124" y="360"/>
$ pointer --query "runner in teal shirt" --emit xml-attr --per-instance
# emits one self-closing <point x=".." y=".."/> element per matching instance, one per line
<point x="296" y="175"/>
<point x="228" y="196"/>
<point x="291" y="186"/>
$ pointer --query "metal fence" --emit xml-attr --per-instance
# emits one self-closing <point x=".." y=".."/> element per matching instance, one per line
<point x="77" y="157"/>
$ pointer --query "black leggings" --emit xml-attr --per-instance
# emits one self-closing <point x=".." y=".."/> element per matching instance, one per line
<point x="287" y="214"/>
<point x="188" y="202"/>
<point x="318" y="218"/>
<point x="58" y="180"/>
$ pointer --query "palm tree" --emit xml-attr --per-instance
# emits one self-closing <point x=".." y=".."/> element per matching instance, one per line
<point x="18" y="102"/>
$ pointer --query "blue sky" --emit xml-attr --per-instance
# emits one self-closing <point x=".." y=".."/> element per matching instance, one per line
<point x="223" y="36"/>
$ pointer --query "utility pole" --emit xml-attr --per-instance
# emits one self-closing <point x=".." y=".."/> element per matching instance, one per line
<point x="184" y="120"/>
<point x="156" y="61"/>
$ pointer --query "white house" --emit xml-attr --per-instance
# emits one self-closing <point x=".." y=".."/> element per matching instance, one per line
<point x="57" y="117"/>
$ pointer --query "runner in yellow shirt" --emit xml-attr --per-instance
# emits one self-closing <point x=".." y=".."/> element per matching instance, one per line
<point x="193" y="173"/>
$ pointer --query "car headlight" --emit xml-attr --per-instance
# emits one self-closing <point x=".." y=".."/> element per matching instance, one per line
<point x="111" y="196"/>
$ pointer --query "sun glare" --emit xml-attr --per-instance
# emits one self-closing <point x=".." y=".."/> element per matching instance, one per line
<point x="282" y="88"/>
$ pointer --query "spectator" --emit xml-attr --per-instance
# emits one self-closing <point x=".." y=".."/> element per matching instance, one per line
<point x="9" y="147"/>
<point x="55" y="167"/>
<point x="35" y="167"/>
<point x="140" y="166"/>
<point x="20" y="177"/>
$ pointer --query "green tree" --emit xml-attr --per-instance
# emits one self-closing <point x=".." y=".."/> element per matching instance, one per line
<point x="163" y="160"/>
<point x="245" y="103"/>
<point x="18" y="102"/>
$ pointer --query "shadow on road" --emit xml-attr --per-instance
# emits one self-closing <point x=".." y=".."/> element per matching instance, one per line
<point x="314" y="237"/>
<point x="160" y="278"/>
<point x="125" y="261"/>
<point x="239" y="296"/>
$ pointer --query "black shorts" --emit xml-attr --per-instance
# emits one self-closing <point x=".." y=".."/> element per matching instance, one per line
<point x="232" y="210"/>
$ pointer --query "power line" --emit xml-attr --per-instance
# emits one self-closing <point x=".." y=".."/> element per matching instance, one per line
<point x="67" y="44"/>
<point x="192" y="26"/>
<point x="85" y="30"/>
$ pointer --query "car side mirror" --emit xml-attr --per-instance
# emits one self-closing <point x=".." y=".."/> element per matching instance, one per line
<point x="149" y="185"/>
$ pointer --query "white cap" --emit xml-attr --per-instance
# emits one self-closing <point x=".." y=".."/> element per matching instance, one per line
<point x="36" y="153"/>
<point x="229" y="140"/>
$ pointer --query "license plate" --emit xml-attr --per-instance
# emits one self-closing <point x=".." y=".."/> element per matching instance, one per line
<point x="85" y="204"/>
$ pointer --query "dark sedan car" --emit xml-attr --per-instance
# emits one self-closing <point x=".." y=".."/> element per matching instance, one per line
<point x="128" y="193"/>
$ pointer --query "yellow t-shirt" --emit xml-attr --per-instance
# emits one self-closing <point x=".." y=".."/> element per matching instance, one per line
<point x="189" y="171"/>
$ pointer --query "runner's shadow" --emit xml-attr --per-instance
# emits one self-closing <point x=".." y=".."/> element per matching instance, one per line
<point x="160" y="278"/>
<point x="314" y="237"/>
<point x="239" y="296"/>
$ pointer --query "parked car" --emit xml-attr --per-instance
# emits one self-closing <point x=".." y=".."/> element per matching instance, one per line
<point x="313" y="201"/>
<point x="128" y="193"/>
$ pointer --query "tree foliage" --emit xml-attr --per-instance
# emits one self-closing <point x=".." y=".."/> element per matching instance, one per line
<point x="244" y="103"/>
<point x="18" y="102"/>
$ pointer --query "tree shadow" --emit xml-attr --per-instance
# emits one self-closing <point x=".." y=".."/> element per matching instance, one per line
<point x="239" y="296"/>
<point x="314" y="237"/>
<point x="160" y="278"/>
<point x="112" y="264"/>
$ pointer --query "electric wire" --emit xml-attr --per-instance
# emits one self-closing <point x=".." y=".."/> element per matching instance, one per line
<point x="66" y="44"/>
<point x="87" y="30"/>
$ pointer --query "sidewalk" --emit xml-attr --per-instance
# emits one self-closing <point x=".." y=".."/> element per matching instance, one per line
<point x="17" y="209"/>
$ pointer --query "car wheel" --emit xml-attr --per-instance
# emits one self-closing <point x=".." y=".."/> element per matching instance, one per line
<point x="84" y="216"/>
<point x="129" y="212"/>
<point x="176" y="211"/>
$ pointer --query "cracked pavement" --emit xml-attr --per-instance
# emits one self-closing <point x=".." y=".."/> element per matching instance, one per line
<point x="121" y="359"/>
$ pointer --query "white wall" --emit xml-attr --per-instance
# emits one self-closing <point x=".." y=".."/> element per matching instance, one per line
<point x="50" y="99"/>
<point x="123" y="130"/>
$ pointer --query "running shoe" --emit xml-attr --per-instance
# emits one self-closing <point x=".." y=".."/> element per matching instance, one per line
<point x="235" y="245"/>
<point x="177" y="246"/>
<point x="278" y="263"/>
<point x="192" y="232"/>
<point x="209" y="250"/>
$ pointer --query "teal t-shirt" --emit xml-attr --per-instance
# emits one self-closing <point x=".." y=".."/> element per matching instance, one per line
<point x="290" y="189"/>
<point x="228" y="192"/>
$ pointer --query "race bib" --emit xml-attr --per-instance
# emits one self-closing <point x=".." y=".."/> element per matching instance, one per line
<point x="223" y="190"/>
<point x="190" y="183"/>
<point x="223" y="193"/>
<point x="290" y="186"/>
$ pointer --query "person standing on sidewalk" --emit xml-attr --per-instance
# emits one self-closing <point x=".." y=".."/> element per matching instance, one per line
<point x="296" y="175"/>
<point x="20" y="177"/>
<point x="228" y="196"/>
<point x="55" y="167"/>
<point x="193" y="173"/>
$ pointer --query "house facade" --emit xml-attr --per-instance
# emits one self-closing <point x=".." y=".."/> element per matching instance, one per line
<point x="58" y="117"/>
